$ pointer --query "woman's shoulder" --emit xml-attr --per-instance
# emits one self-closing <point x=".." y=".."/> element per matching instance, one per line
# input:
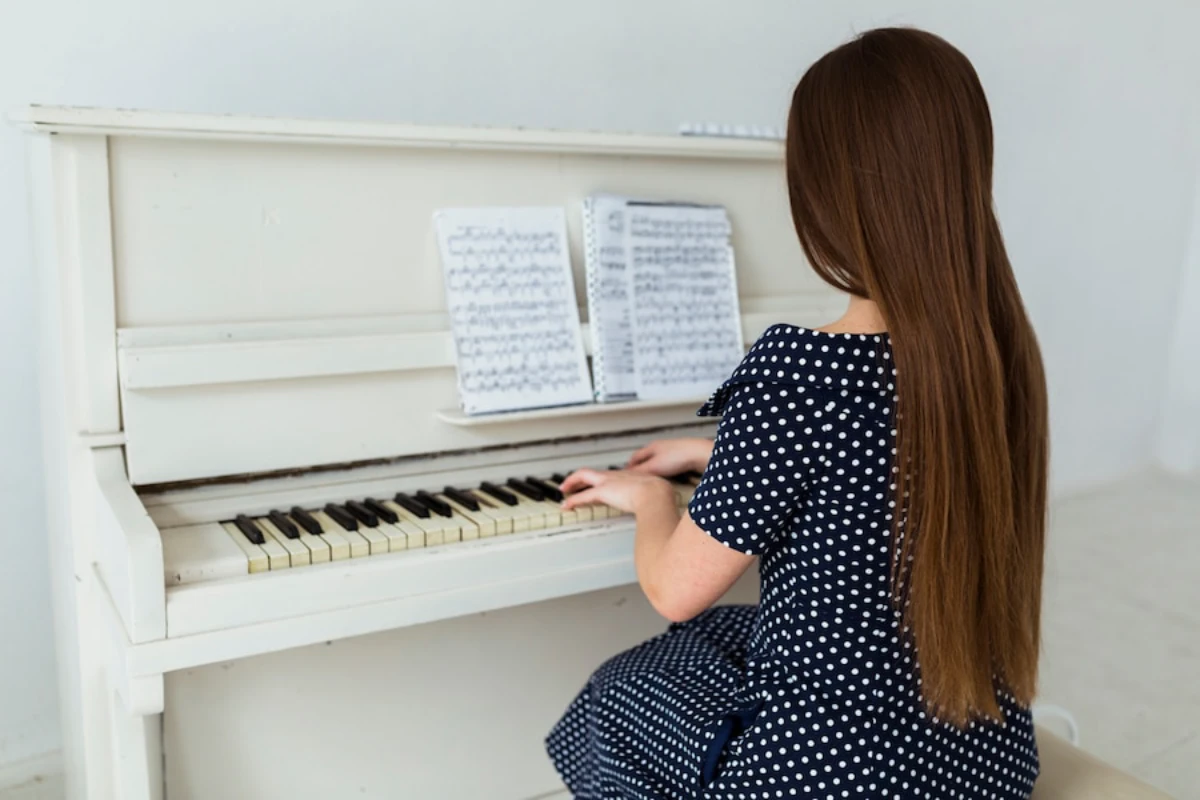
<point x="846" y="363"/>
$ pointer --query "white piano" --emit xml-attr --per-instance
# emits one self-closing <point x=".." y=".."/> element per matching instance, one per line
<point x="285" y="564"/>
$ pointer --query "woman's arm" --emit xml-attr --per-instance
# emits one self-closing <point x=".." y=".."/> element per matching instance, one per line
<point x="669" y="457"/>
<point x="681" y="569"/>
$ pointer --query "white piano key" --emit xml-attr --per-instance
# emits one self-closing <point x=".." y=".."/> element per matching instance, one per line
<point x="518" y="520"/>
<point x="452" y="530"/>
<point x="468" y="530"/>
<point x="360" y="546"/>
<point x="451" y="526"/>
<point x="532" y="511"/>
<point x="198" y="553"/>
<point x="298" y="554"/>
<point x="419" y="535"/>
<point x="278" y="557"/>
<point x="599" y="511"/>
<point x="414" y="537"/>
<point x="438" y="530"/>
<point x="552" y="510"/>
<point x="485" y="523"/>
<point x="319" y="551"/>
<point x="582" y="513"/>
<point x="396" y="539"/>
<point x="257" y="558"/>
<point x="340" y="545"/>
<point x="377" y="541"/>
<point x="495" y="509"/>
<point x="552" y="513"/>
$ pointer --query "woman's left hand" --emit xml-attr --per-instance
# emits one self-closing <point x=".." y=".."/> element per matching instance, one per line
<point x="631" y="492"/>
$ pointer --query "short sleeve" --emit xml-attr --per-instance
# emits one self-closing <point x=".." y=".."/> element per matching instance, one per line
<point x="766" y="449"/>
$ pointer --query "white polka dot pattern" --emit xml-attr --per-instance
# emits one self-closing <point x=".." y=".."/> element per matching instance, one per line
<point x="822" y="669"/>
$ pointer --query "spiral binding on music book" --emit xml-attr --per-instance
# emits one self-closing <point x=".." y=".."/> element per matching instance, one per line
<point x="605" y="265"/>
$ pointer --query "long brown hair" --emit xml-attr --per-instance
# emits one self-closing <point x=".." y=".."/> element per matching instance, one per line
<point x="889" y="166"/>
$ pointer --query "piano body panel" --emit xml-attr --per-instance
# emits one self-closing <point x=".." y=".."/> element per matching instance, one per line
<point x="457" y="709"/>
<point x="79" y="404"/>
<point x="128" y="550"/>
<point x="209" y="231"/>
<point x="246" y="428"/>
<point x="239" y="401"/>
<point x="396" y="610"/>
<point x="434" y="579"/>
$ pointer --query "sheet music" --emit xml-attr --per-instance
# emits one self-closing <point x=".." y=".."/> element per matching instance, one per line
<point x="687" y="327"/>
<point x="609" y="304"/>
<point x="511" y="300"/>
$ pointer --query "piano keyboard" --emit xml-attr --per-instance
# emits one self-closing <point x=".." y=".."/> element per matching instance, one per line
<point x="369" y="526"/>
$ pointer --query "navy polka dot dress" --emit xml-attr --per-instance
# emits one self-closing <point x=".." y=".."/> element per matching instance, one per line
<point x="813" y="692"/>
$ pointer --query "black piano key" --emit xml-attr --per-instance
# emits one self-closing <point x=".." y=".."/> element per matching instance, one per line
<point x="306" y="520"/>
<point x="285" y="525"/>
<point x="411" y="506"/>
<point x="558" y="477"/>
<point x="610" y="466"/>
<point x="524" y="488"/>
<point x="249" y="529"/>
<point x="683" y="477"/>
<point x="503" y="495"/>
<point x="552" y="492"/>
<point x="438" y="507"/>
<point x="462" y="498"/>
<point x="382" y="511"/>
<point x="363" y="514"/>
<point x="342" y="517"/>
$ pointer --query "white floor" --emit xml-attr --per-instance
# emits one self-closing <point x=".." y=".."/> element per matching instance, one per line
<point x="1121" y="630"/>
<point x="1121" y="626"/>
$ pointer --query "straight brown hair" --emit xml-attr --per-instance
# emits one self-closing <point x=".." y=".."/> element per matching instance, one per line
<point x="889" y="167"/>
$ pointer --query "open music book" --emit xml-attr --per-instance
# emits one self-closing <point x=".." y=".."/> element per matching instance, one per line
<point x="511" y="300"/>
<point x="662" y="298"/>
<point x="610" y="308"/>
<point x="687" y="329"/>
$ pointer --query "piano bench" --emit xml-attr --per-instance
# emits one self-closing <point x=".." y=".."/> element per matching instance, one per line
<point x="1068" y="773"/>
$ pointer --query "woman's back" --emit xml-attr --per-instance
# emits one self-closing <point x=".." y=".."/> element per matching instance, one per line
<point x="828" y="654"/>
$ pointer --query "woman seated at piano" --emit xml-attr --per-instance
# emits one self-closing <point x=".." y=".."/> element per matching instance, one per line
<point x="888" y="471"/>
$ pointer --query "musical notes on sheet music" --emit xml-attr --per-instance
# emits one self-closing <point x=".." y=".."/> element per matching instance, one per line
<point x="687" y="327"/>
<point x="511" y="300"/>
<point x="610" y="312"/>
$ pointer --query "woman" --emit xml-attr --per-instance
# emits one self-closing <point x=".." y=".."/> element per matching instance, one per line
<point x="889" y="470"/>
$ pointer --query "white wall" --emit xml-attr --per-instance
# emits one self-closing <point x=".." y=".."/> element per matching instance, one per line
<point x="1179" y="429"/>
<point x="1094" y="167"/>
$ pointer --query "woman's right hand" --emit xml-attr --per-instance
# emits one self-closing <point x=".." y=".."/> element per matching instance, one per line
<point x="669" y="457"/>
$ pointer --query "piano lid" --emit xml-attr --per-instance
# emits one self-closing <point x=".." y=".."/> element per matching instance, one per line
<point x="276" y="294"/>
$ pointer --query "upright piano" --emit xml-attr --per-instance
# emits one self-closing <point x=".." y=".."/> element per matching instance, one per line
<point x="284" y="563"/>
